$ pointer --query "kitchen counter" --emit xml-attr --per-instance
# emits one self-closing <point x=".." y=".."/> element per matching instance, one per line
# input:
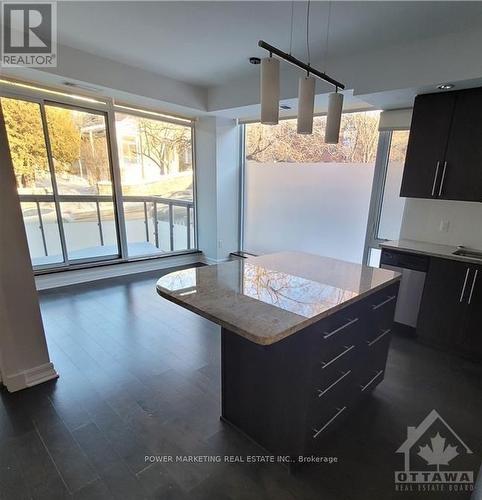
<point x="425" y="248"/>
<point x="303" y="339"/>
<point x="268" y="298"/>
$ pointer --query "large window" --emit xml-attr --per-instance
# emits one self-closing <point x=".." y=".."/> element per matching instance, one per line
<point x="155" y="160"/>
<point x="387" y="206"/>
<point x="74" y="210"/>
<point x="303" y="194"/>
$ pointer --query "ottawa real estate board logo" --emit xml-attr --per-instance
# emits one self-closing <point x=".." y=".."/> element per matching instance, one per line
<point x="435" y="459"/>
<point x="29" y="34"/>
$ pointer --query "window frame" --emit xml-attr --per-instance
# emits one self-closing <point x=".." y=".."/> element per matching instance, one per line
<point x="107" y="107"/>
<point x="372" y="241"/>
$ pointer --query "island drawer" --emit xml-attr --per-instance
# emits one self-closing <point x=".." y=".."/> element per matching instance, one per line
<point x="335" y="327"/>
<point x="377" y="344"/>
<point x="325" y="422"/>
<point x="333" y="359"/>
<point x="328" y="399"/>
<point x="324" y="385"/>
<point x="331" y="337"/>
<point x="381" y="309"/>
<point x="369" y="378"/>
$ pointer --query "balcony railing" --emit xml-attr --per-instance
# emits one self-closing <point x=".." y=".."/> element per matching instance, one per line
<point x="155" y="210"/>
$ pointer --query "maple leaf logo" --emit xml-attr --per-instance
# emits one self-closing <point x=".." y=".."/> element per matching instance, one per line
<point x="438" y="454"/>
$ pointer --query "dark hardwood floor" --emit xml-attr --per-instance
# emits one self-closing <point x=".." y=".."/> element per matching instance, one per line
<point x="140" y="376"/>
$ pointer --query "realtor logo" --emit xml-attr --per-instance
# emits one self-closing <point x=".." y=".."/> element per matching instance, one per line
<point x="432" y="454"/>
<point x="29" y="34"/>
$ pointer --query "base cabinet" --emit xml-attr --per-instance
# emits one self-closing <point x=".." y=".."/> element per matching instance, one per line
<point x="451" y="309"/>
<point x="288" y="395"/>
<point x="470" y="339"/>
<point x="442" y="308"/>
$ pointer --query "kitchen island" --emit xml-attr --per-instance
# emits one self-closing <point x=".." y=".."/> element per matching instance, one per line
<point x="304" y="338"/>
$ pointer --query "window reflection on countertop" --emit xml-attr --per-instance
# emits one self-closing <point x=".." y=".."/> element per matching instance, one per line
<point x="291" y="293"/>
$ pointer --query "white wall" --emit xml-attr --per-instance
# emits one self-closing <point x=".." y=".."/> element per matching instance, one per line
<point x="206" y="206"/>
<point x="228" y="188"/>
<point x="316" y="208"/>
<point x="421" y="221"/>
<point x="217" y="186"/>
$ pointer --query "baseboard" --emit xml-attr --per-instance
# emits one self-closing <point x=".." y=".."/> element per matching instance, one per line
<point x="57" y="280"/>
<point x="30" y="377"/>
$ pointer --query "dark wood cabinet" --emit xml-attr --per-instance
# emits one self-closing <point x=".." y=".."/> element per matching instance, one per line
<point x="288" y="395"/>
<point x="461" y="177"/>
<point x="451" y="309"/>
<point x="431" y="121"/>
<point x="443" y="306"/>
<point x="444" y="153"/>
<point x="470" y="340"/>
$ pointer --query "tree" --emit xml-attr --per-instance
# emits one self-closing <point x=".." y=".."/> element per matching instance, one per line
<point x="64" y="135"/>
<point x="25" y="139"/>
<point x="164" y="143"/>
<point x="281" y="143"/>
<point x="27" y="142"/>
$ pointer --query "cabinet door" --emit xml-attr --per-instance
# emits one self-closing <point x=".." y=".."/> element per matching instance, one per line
<point x="429" y="132"/>
<point x="471" y="337"/>
<point x="463" y="158"/>
<point x="444" y="301"/>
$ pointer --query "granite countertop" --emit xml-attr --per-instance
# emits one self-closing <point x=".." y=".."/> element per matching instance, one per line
<point x="425" y="248"/>
<point x="270" y="297"/>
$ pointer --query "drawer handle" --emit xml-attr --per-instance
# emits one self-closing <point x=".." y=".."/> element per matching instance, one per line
<point x="376" y="306"/>
<point x="340" y="328"/>
<point x="319" y="431"/>
<point x="344" y="374"/>
<point x="465" y="285"/>
<point x="376" y="339"/>
<point x="328" y="363"/>
<point x="473" y="286"/>
<point x="363" y="387"/>
<point x="435" y="178"/>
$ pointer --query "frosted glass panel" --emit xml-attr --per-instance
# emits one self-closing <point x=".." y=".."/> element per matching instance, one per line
<point x="303" y="194"/>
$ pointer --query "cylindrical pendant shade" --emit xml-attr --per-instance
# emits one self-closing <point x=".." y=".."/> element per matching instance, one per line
<point x="333" y="118"/>
<point x="306" y="103"/>
<point x="269" y="91"/>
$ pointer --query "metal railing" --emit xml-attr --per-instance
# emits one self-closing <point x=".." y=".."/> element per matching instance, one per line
<point x="170" y="203"/>
<point x="156" y="201"/>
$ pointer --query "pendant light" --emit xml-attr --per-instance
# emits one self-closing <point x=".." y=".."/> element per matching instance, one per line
<point x="333" y="118"/>
<point x="269" y="91"/>
<point x="335" y="100"/>
<point x="306" y="89"/>
<point x="306" y="104"/>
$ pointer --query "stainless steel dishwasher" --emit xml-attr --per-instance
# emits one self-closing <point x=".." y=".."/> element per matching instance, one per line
<point x="413" y="268"/>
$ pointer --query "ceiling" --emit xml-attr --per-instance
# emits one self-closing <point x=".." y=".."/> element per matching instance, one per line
<point x="209" y="43"/>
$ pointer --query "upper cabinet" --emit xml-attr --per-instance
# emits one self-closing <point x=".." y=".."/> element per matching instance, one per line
<point x="444" y="155"/>
<point x="431" y="120"/>
<point x="463" y="158"/>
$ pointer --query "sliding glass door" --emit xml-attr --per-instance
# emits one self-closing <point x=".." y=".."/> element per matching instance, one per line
<point x="79" y="148"/>
<point x="28" y="150"/>
<point x="84" y="201"/>
<point x="155" y="160"/>
<point x="61" y="160"/>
